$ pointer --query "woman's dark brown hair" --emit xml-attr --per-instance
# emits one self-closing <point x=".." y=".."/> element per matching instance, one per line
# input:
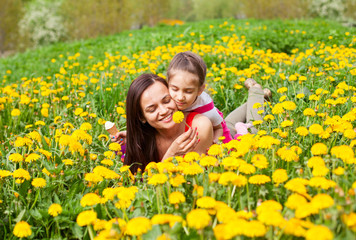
<point x="189" y="62"/>
<point x="141" y="147"/>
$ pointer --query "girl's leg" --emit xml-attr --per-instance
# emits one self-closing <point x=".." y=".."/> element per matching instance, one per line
<point x="238" y="115"/>
<point x="255" y="95"/>
<point x="246" y="113"/>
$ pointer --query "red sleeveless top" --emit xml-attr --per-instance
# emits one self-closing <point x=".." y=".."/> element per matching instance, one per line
<point x="189" y="120"/>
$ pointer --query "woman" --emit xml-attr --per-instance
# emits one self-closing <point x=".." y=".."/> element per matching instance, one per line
<point x="152" y="135"/>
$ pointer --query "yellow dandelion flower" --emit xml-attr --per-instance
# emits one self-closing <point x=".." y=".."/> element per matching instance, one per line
<point x="227" y="178"/>
<point x="21" y="173"/>
<point x="247" y="168"/>
<point x="207" y="161"/>
<point x="78" y="111"/>
<point x="67" y="162"/>
<point x="177" y="180"/>
<point x="295" y="200"/>
<point x="109" y="154"/>
<point x="305" y="210"/>
<point x="41" y="123"/>
<point x="86" y="126"/>
<point x="260" y="161"/>
<point x="343" y="152"/>
<point x="176" y="198"/>
<point x="120" y="110"/>
<point x="321" y="182"/>
<point x="93" y="177"/>
<point x="315" y="161"/>
<point x="192" y="169"/>
<point x="178" y="117"/>
<point x="16" y="157"/>
<point x="103" y="137"/>
<point x="322" y="201"/>
<point x="214" y="177"/>
<point x="215" y="150"/>
<point x="15" y="112"/>
<point x="38" y="182"/>
<point x="138" y="226"/>
<point x="286" y="123"/>
<point x="271" y="218"/>
<point x="309" y="112"/>
<point x="86" y="218"/>
<point x="254" y="229"/>
<point x="231" y="163"/>
<point x="289" y="105"/>
<point x="32" y="157"/>
<point x="156" y="179"/>
<point x="302" y="131"/>
<point x="166" y="219"/>
<point x="279" y="176"/>
<point x="115" y="147"/>
<point x="206" y="202"/>
<point x="316" y="129"/>
<point x="319" y="232"/>
<point x="4" y="173"/>
<point x="107" y="162"/>
<point x="287" y="154"/>
<point x="268" y="117"/>
<point x="22" y="229"/>
<point x="54" y="210"/>
<point x="198" y="219"/>
<point x="319" y="149"/>
<point x="191" y="156"/>
<point x="90" y="199"/>
<point x="239" y="181"/>
<point x="339" y="171"/>
<point x="259" y="179"/>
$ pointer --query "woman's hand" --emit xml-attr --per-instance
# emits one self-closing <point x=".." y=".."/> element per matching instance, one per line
<point x="183" y="144"/>
<point x="119" y="137"/>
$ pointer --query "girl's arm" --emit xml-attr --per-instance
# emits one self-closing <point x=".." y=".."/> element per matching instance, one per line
<point x="198" y="138"/>
<point x="205" y="133"/>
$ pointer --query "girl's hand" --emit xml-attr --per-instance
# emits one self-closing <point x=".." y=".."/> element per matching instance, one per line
<point x="119" y="137"/>
<point x="185" y="143"/>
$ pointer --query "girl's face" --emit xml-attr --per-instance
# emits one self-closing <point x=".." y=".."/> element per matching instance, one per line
<point x="184" y="88"/>
<point x="157" y="106"/>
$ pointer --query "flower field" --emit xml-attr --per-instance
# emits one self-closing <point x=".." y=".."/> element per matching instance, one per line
<point x="61" y="179"/>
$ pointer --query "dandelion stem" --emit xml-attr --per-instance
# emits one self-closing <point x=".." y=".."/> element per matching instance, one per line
<point x="248" y="197"/>
<point x="90" y="230"/>
<point x="229" y="195"/>
<point x="158" y="202"/>
<point x="37" y="194"/>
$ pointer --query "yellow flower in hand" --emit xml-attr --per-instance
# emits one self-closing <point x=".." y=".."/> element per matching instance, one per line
<point x="178" y="117"/>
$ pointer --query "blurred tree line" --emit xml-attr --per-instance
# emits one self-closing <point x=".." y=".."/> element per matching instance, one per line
<point x="32" y="23"/>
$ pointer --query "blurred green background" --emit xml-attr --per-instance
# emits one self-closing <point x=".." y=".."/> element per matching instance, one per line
<point x="31" y="23"/>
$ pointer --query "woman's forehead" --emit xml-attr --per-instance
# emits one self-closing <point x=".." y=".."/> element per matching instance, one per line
<point x="154" y="93"/>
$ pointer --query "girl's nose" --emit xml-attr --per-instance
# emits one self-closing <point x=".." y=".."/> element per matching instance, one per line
<point x="180" y="96"/>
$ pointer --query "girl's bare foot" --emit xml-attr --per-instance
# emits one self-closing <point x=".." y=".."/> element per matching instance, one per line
<point x="249" y="82"/>
<point x="267" y="94"/>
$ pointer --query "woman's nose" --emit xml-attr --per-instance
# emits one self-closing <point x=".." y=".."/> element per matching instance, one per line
<point x="163" y="109"/>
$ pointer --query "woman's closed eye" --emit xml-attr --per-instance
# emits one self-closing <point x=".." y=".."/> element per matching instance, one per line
<point x="150" y="109"/>
<point x="167" y="99"/>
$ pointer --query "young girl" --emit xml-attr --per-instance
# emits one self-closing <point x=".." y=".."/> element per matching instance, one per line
<point x="186" y="83"/>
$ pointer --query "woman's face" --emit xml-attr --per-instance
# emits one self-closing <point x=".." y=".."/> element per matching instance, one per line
<point x="157" y="106"/>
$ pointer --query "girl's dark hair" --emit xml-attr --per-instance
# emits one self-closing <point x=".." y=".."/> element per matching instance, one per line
<point x="190" y="62"/>
<point x="141" y="147"/>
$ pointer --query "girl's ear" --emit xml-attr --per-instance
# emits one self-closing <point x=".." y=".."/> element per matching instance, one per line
<point x="201" y="89"/>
